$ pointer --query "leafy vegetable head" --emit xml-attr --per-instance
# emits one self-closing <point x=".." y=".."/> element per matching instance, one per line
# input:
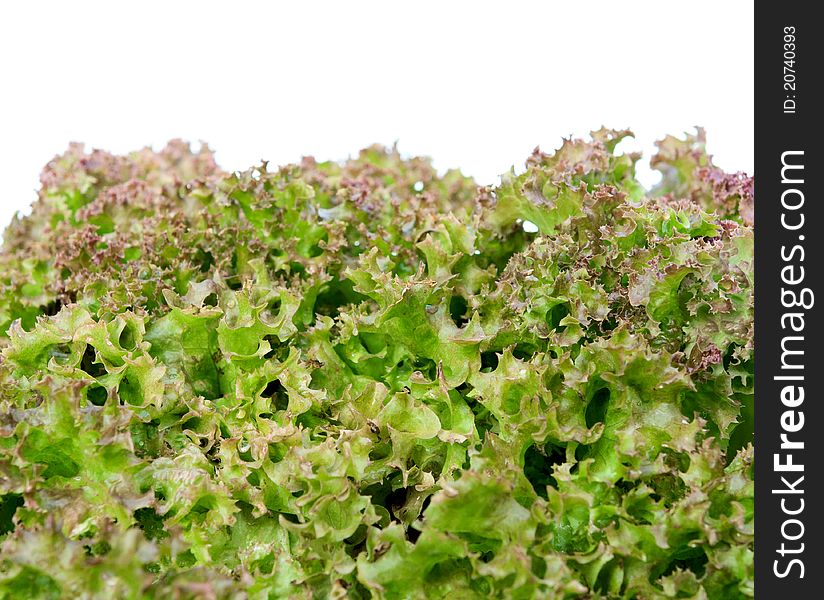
<point x="369" y="379"/>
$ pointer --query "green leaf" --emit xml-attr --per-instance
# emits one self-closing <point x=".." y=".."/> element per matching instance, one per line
<point x="372" y="379"/>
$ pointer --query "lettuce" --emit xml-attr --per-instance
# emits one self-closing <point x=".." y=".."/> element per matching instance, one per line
<point x="369" y="379"/>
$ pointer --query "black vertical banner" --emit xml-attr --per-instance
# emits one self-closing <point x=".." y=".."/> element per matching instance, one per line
<point x="789" y="299"/>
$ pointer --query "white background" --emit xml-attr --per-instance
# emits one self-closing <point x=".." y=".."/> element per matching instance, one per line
<point x="474" y="85"/>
